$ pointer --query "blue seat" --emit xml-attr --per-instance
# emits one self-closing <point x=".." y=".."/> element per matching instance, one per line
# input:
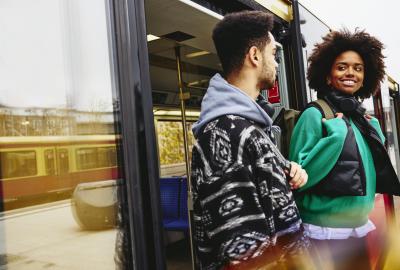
<point x="174" y="203"/>
<point x="169" y="191"/>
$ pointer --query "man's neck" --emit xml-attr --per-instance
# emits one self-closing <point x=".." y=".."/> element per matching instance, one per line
<point x="244" y="82"/>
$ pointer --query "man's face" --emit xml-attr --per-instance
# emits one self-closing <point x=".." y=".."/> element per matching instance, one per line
<point x="269" y="65"/>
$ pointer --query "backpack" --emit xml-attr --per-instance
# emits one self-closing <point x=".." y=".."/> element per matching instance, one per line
<point x="286" y="120"/>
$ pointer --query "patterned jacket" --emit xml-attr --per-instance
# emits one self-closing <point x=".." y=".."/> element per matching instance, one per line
<point x="243" y="205"/>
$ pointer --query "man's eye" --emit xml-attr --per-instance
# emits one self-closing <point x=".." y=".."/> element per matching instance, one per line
<point x="277" y="58"/>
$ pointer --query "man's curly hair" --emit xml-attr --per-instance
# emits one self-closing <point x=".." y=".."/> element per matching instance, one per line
<point x="237" y="32"/>
<point x="336" y="42"/>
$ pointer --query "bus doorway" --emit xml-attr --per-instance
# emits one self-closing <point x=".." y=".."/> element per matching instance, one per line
<point x="182" y="60"/>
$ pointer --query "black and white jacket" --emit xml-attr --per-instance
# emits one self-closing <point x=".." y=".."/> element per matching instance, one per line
<point x="243" y="205"/>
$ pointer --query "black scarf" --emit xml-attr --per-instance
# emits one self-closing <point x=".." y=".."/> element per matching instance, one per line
<point x="351" y="108"/>
<point x="387" y="180"/>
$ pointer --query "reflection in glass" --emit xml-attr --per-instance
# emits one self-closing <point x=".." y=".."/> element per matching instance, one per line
<point x="312" y="30"/>
<point x="56" y="134"/>
<point x="18" y="164"/>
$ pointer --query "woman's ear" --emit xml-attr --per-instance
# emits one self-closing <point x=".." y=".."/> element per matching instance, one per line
<point x="328" y="81"/>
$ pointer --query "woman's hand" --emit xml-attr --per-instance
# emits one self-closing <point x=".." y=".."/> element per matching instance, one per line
<point x="338" y="115"/>
<point x="368" y="117"/>
<point x="298" y="176"/>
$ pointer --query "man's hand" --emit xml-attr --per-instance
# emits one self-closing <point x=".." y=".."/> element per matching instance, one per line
<point x="298" y="176"/>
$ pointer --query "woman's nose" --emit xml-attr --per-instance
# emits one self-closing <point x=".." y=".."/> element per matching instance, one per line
<point x="350" y="72"/>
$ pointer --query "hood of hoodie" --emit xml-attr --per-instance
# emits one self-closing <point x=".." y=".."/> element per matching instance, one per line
<point x="223" y="98"/>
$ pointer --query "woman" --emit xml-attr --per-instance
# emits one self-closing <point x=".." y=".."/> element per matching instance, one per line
<point x="344" y="156"/>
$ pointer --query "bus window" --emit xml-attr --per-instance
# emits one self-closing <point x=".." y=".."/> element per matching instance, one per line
<point x="18" y="164"/>
<point x="63" y="161"/>
<point x="49" y="162"/>
<point x="171" y="147"/>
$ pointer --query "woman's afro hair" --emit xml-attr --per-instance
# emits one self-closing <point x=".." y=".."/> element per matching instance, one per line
<point x="337" y="42"/>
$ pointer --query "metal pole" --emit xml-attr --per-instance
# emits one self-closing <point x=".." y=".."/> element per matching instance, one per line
<point x="182" y="98"/>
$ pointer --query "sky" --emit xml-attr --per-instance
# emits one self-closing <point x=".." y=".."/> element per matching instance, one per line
<point x="379" y="18"/>
<point x="55" y="54"/>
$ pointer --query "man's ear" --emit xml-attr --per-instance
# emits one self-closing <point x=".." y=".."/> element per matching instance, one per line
<point x="254" y="55"/>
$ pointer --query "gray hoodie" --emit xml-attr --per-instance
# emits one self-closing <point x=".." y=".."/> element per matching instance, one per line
<point x="223" y="98"/>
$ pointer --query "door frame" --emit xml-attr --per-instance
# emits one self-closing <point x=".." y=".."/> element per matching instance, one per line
<point x="140" y="198"/>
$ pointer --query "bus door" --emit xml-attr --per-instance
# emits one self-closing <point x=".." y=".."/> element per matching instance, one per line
<point x="62" y="84"/>
<point x="393" y="136"/>
<point x="383" y="213"/>
<point x="312" y="30"/>
<point x="62" y="161"/>
<point x="182" y="61"/>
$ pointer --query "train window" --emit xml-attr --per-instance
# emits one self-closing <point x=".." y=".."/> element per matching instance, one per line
<point x="62" y="161"/>
<point x="49" y="162"/>
<point x="86" y="158"/>
<point x="95" y="157"/>
<point x="18" y="164"/>
<point x="107" y="156"/>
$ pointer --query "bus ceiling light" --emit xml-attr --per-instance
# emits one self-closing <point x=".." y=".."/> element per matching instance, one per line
<point x="175" y="113"/>
<point x="198" y="83"/>
<point x="197" y="54"/>
<point x="151" y="37"/>
<point x="202" y="9"/>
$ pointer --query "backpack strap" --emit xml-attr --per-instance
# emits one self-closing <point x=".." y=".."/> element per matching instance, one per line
<point x="325" y="108"/>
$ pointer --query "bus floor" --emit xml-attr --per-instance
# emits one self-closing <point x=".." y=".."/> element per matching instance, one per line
<point x="178" y="255"/>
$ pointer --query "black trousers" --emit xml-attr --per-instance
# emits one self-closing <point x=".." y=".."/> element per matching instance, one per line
<point x="346" y="254"/>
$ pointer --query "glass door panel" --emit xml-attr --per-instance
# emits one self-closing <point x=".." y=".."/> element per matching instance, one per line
<point x="59" y="169"/>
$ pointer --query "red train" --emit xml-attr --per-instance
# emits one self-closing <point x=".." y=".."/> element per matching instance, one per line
<point x="35" y="168"/>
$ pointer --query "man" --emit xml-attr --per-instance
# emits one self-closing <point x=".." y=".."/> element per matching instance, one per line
<point x="244" y="212"/>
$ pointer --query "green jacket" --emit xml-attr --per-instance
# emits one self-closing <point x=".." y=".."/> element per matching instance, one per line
<point x="317" y="155"/>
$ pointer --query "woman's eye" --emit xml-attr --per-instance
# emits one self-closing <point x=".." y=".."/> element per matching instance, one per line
<point x="341" y="68"/>
<point x="359" y="69"/>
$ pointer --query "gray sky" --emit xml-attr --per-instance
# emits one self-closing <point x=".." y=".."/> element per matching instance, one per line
<point x="379" y="18"/>
<point x="54" y="54"/>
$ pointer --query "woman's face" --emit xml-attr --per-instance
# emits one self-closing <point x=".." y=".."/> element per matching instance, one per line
<point x="347" y="72"/>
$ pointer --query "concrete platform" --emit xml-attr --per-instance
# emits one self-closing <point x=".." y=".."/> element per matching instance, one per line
<point x="47" y="237"/>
